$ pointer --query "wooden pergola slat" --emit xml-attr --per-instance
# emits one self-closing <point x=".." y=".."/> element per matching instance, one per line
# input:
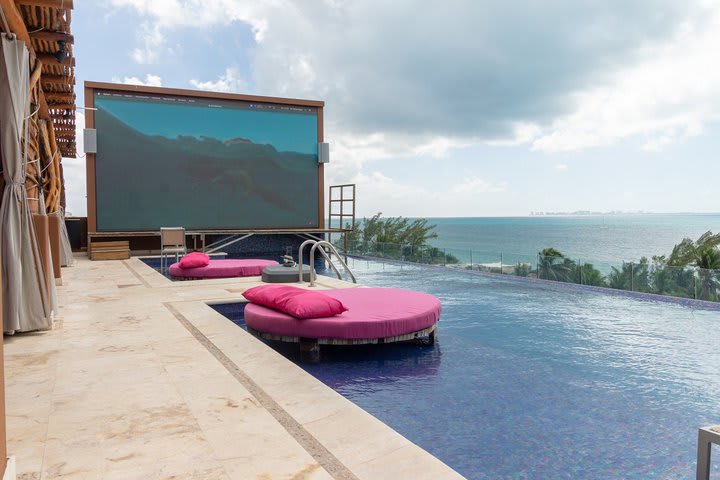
<point x="50" y="60"/>
<point x="63" y="97"/>
<point x="52" y="36"/>
<point x="58" y="79"/>
<point x="23" y="14"/>
<point x="61" y="106"/>
<point x="65" y="4"/>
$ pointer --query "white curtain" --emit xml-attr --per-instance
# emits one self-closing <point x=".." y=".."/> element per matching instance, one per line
<point x="66" y="255"/>
<point x="26" y="304"/>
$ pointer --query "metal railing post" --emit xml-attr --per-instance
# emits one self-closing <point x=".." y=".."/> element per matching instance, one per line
<point x="300" y="259"/>
<point x="321" y="244"/>
<point x="581" y="271"/>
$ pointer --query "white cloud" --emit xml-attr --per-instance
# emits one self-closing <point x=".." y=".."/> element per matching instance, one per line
<point x="658" y="143"/>
<point x="203" y="13"/>
<point x="152" y="40"/>
<point x="150" y="80"/>
<point x="377" y="192"/>
<point x="666" y="96"/>
<point x="380" y="73"/>
<point x="522" y="132"/>
<point x="230" y="81"/>
<point x="574" y="76"/>
<point x="477" y="185"/>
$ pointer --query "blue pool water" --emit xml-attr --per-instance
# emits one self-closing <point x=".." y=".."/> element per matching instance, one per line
<point x="534" y="381"/>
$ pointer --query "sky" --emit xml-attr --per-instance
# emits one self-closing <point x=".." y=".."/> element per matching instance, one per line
<point x="450" y="108"/>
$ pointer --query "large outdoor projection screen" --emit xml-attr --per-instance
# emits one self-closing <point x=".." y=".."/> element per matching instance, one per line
<point x="203" y="163"/>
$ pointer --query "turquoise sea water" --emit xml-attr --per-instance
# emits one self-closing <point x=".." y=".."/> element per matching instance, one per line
<point x="609" y="239"/>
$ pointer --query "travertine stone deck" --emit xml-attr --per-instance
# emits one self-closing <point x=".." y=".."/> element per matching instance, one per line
<point x="141" y="379"/>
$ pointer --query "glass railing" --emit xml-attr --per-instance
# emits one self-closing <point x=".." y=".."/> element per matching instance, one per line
<point x="643" y="276"/>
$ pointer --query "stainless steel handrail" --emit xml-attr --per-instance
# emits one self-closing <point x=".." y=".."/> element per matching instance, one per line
<point x="300" y="257"/>
<point x="331" y="247"/>
<point x="312" y="265"/>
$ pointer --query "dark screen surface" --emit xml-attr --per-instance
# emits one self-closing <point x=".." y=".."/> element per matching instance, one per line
<point x="204" y="163"/>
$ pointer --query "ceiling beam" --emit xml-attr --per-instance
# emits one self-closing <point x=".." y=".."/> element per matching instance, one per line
<point x="58" y="79"/>
<point x="55" y="96"/>
<point x="61" y="106"/>
<point x="52" y="36"/>
<point x="49" y="59"/>
<point x="64" y="4"/>
<point x="16" y="23"/>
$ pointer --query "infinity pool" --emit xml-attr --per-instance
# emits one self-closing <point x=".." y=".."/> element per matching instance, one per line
<point x="535" y="381"/>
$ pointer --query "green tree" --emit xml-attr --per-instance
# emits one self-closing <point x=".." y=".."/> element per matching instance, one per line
<point x="587" y="274"/>
<point x="708" y="262"/>
<point x="688" y="252"/>
<point x="670" y="280"/>
<point x="397" y="230"/>
<point x="552" y="265"/>
<point x="398" y="238"/>
<point x="522" y="269"/>
<point x="702" y="253"/>
<point x="634" y="276"/>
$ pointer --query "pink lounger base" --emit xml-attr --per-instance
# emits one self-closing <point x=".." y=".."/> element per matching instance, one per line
<point x="372" y="313"/>
<point x="223" y="268"/>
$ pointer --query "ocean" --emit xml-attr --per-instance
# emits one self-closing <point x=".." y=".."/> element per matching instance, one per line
<point x="600" y="239"/>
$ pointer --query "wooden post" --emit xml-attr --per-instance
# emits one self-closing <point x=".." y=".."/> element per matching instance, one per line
<point x="55" y="245"/>
<point x="42" y="235"/>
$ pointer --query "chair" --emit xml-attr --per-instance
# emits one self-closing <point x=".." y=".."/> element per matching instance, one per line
<point x="172" y="241"/>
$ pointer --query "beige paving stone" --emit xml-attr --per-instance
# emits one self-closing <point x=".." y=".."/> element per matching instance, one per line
<point x="121" y="389"/>
<point x="407" y="462"/>
<point x="346" y="434"/>
<point x="299" y="399"/>
<point x="164" y="472"/>
<point x="29" y="460"/>
<point x="279" y="469"/>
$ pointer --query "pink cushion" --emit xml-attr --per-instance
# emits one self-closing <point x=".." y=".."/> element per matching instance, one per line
<point x="223" y="269"/>
<point x="372" y="313"/>
<point x="194" y="260"/>
<point x="297" y="302"/>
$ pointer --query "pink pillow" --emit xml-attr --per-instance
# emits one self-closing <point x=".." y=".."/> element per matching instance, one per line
<point x="194" y="260"/>
<point x="294" y="301"/>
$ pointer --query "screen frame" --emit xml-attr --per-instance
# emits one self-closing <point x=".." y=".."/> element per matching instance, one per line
<point x="92" y="87"/>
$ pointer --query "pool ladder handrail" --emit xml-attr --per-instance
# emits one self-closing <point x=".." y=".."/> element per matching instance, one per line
<point x="333" y="250"/>
<point x="324" y="253"/>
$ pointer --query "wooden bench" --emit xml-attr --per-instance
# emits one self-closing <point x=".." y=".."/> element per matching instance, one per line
<point x="119" y="250"/>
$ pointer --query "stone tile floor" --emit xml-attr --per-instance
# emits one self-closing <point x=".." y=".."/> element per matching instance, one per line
<point x="139" y="378"/>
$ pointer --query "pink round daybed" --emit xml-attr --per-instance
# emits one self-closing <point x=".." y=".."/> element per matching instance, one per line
<point x="374" y="315"/>
<point x="223" y="268"/>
